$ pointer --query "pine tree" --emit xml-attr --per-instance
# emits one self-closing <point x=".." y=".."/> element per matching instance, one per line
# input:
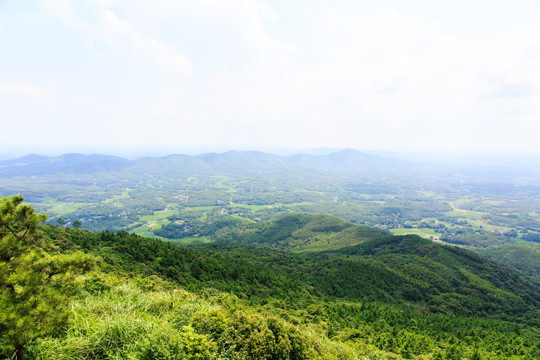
<point x="35" y="287"/>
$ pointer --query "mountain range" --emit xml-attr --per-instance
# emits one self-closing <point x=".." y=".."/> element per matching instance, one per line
<point x="232" y="162"/>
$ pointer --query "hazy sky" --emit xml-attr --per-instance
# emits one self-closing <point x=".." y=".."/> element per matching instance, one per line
<point x="372" y="75"/>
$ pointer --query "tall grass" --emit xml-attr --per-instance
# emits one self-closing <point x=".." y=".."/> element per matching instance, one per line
<point x="133" y="321"/>
<point x="109" y="325"/>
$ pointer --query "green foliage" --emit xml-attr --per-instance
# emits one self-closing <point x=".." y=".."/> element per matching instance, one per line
<point x="164" y="344"/>
<point x="525" y="257"/>
<point x="393" y="269"/>
<point x="127" y="322"/>
<point x="254" y="336"/>
<point x="386" y="297"/>
<point x="432" y="293"/>
<point x="35" y="287"/>
<point x="454" y="352"/>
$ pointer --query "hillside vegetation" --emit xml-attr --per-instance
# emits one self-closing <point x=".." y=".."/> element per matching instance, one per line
<point x="377" y="297"/>
<point x="525" y="257"/>
<point x="299" y="232"/>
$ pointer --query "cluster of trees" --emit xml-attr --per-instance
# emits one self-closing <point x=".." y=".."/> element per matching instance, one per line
<point x="475" y="237"/>
<point x="534" y="237"/>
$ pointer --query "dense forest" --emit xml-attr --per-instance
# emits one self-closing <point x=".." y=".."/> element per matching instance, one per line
<point x="295" y="287"/>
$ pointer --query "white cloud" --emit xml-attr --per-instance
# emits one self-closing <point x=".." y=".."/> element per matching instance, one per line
<point x="388" y="73"/>
<point x="379" y="81"/>
<point x="121" y="35"/>
<point x="65" y="11"/>
<point x="20" y="88"/>
<point x="163" y="55"/>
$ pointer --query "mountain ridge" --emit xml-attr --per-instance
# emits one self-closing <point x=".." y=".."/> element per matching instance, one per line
<point x="228" y="163"/>
<point x="34" y="164"/>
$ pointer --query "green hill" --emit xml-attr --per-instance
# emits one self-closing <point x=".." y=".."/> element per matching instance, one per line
<point x="301" y="232"/>
<point x="525" y="257"/>
<point x="447" y="278"/>
<point x="405" y="270"/>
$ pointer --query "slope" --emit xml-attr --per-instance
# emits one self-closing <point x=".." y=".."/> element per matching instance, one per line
<point x="318" y="291"/>
<point x="524" y="256"/>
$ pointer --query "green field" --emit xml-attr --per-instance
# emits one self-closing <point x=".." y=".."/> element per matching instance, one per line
<point x="486" y="226"/>
<point x="146" y="229"/>
<point x="202" y="208"/>
<point x="124" y="195"/>
<point x="262" y="207"/>
<point x="59" y="209"/>
<point x="189" y="240"/>
<point x="467" y="214"/>
<point x="423" y="232"/>
<point x="159" y="215"/>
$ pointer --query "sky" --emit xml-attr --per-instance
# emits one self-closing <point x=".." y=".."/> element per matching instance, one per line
<point x="170" y="75"/>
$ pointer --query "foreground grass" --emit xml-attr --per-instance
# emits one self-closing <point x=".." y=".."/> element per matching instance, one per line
<point x="146" y="318"/>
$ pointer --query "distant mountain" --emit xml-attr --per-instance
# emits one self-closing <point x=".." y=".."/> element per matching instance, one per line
<point x="255" y="163"/>
<point x="231" y="163"/>
<point x="347" y="160"/>
<point x="34" y="164"/>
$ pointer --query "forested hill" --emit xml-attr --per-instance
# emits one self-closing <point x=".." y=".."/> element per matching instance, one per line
<point x="351" y="261"/>
<point x="391" y="269"/>
<point x="297" y="232"/>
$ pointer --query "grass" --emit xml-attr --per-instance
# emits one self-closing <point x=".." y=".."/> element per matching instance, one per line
<point x="113" y="324"/>
<point x="467" y="214"/>
<point x="146" y="230"/>
<point x="269" y="206"/>
<point x="189" y="240"/>
<point x="124" y="195"/>
<point x="423" y="232"/>
<point x="59" y="209"/>
<point x="203" y="208"/>
<point x="159" y="215"/>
